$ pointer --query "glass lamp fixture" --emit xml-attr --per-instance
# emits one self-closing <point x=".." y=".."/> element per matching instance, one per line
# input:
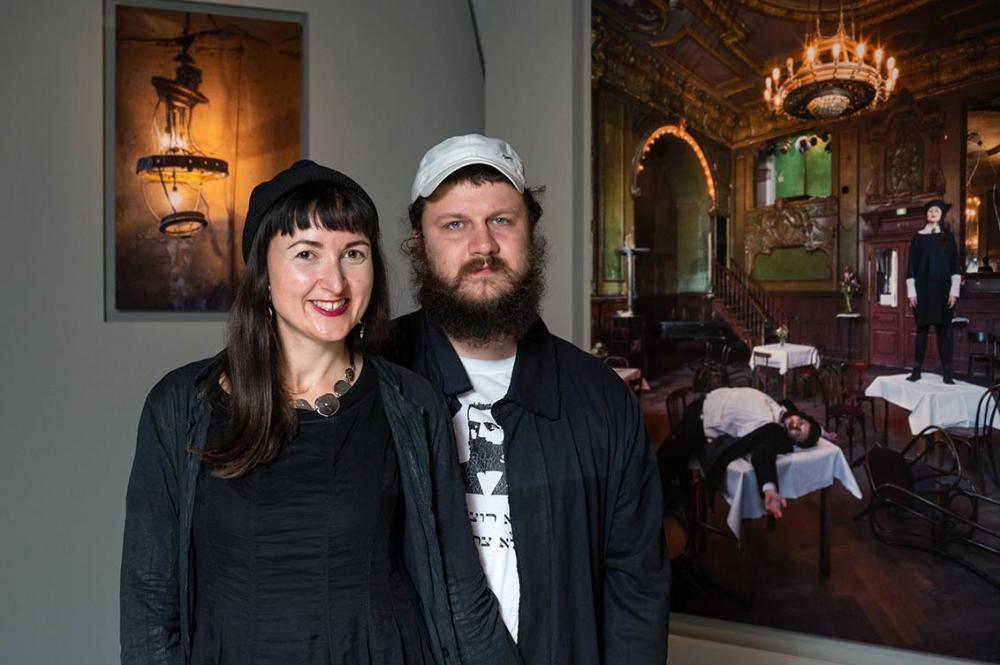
<point x="174" y="177"/>
<point x="972" y="203"/>
<point x="836" y="76"/>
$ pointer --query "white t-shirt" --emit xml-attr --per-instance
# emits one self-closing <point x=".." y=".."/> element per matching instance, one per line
<point x="480" y="442"/>
<point x="738" y="411"/>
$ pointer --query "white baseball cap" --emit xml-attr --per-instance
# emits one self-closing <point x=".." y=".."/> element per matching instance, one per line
<point x="452" y="154"/>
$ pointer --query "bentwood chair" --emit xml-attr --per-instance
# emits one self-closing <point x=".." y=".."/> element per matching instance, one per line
<point x="917" y="504"/>
<point x="676" y="400"/>
<point x="763" y="375"/>
<point x="712" y="373"/>
<point x="841" y="407"/>
<point x="616" y="361"/>
<point x="807" y="375"/>
<point x="987" y="356"/>
<point x="853" y="385"/>
<point x="981" y="438"/>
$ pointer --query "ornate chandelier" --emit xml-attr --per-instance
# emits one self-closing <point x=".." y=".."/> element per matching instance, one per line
<point x="837" y="76"/>
<point x="173" y="178"/>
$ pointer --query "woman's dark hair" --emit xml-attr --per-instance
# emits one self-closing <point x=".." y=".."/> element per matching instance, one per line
<point x="945" y="232"/>
<point x="477" y="174"/>
<point x="262" y="418"/>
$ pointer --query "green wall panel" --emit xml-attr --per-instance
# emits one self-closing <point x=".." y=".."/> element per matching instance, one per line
<point x="791" y="264"/>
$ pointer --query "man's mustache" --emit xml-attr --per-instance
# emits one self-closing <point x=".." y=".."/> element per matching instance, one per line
<point x="494" y="263"/>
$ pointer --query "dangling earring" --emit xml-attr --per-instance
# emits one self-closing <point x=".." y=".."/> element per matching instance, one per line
<point x="270" y="311"/>
<point x="361" y="333"/>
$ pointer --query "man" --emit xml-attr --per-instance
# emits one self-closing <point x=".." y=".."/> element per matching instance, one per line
<point x="732" y="422"/>
<point x="563" y="492"/>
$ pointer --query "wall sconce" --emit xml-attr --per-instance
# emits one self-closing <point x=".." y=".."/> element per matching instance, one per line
<point x="174" y="177"/>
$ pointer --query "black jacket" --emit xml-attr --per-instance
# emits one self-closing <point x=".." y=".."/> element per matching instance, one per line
<point x="461" y="613"/>
<point x="584" y="498"/>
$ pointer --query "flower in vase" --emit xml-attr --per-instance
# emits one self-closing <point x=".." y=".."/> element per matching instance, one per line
<point x="850" y="286"/>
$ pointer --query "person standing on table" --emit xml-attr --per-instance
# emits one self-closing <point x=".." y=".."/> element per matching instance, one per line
<point x="729" y="423"/>
<point x="933" y="280"/>
<point x="560" y="480"/>
<point x="297" y="499"/>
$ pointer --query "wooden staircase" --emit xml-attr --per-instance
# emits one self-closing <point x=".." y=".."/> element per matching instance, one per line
<point x="744" y="305"/>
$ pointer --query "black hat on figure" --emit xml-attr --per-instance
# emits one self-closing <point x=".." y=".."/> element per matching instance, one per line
<point x="937" y="203"/>
<point x="266" y="194"/>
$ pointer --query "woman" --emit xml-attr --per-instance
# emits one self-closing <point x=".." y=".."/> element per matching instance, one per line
<point x="280" y="504"/>
<point x="933" y="280"/>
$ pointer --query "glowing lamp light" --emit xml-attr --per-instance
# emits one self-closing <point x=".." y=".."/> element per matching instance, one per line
<point x="173" y="178"/>
<point x="837" y="75"/>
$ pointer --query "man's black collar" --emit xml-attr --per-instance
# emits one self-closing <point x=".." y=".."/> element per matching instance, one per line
<point x="535" y="382"/>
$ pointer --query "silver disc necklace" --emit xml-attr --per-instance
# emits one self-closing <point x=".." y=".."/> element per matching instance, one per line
<point x="328" y="404"/>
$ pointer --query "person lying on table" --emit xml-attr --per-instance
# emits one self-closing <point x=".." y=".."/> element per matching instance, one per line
<point x="729" y="423"/>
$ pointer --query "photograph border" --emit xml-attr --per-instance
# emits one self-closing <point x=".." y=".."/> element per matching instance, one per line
<point x="111" y="313"/>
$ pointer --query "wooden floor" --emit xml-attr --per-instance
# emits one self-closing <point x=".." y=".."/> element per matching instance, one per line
<point x="876" y="593"/>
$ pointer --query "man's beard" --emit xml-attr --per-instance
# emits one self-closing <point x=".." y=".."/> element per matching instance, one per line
<point x="483" y="321"/>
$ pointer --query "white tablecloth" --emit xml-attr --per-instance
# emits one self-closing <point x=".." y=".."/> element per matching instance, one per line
<point x="788" y="356"/>
<point x="799" y="473"/>
<point x="930" y="400"/>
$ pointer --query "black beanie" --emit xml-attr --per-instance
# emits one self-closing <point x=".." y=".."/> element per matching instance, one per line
<point x="302" y="172"/>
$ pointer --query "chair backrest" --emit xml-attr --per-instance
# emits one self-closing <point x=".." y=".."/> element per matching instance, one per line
<point x="829" y="385"/>
<point x="616" y="361"/>
<point x="676" y="401"/>
<point x="988" y="412"/>
<point x="852" y="376"/>
<point x="760" y="370"/>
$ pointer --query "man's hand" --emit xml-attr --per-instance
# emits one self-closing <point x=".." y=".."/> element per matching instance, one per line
<point x="830" y="436"/>
<point x="951" y="302"/>
<point x="774" y="503"/>
<point x="913" y="301"/>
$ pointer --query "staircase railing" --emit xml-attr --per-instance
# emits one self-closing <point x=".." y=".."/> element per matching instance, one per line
<point x="758" y="313"/>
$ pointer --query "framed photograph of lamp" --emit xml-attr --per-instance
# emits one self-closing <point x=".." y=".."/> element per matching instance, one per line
<point x="200" y="103"/>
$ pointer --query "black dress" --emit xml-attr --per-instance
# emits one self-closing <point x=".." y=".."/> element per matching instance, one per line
<point x="933" y="260"/>
<point x="299" y="561"/>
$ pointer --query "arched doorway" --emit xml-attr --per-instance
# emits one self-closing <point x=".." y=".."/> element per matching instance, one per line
<point x="674" y="200"/>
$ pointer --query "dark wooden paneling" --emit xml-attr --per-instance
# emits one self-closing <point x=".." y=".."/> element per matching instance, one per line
<point x="812" y="319"/>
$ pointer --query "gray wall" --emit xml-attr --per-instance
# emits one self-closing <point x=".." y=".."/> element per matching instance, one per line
<point x="386" y="81"/>
<point x="537" y="57"/>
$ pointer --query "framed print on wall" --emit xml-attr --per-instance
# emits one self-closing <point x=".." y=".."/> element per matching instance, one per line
<point x="202" y="102"/>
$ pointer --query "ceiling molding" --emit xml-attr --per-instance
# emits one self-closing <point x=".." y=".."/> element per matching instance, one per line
<point x="864" y="12"/>
<point x="724" y="56"/>
<point x="641" y="73"/>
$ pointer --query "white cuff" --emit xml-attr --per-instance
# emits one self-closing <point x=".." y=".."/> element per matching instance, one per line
<point x="768" y="486"/>
<point x="956" y="285"/>
<point x="911" y="288"/>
